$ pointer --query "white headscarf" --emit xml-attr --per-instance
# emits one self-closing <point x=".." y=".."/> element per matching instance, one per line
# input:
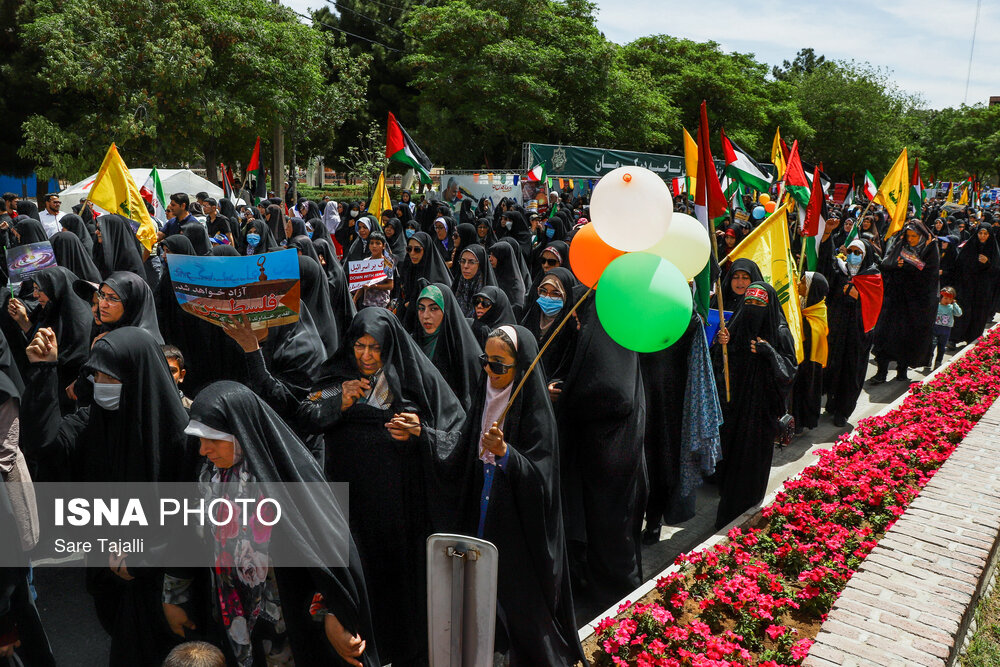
<point x="330" y="217"/>
<point x="496" y="401"/>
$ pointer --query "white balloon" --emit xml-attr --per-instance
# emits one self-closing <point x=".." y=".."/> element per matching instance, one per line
<point x="686" y="245"/>
<point x="631" y="208"/>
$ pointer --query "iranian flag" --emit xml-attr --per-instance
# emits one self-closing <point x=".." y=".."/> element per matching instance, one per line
<point x="917" y="190"/>
<point x="256" y="168"/>
<point x="678" y="186"/>
<point x="870" y="188"/>
<point x="742" y="168"/>
<point x="537" y="174"/>
<point x="796" y="184"/>
<point x="401" y="148"/>
<point x="152" y="192"/>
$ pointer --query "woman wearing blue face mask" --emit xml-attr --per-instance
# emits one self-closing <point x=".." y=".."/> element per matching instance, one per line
<point x="547" y="306"/>
<point x="850" y="337"/>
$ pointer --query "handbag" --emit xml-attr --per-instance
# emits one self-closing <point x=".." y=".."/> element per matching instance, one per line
<point x="786" y="430"/>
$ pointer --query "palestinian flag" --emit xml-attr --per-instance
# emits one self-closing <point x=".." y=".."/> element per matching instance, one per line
<point x="401" y="148"/>
<point x="537" y="174"/>
<point x="810" y="171"/>
<point x="255" y="168"/>
<point x="917" y="190"/>
<point x="742" y="168"/>
<point x="227" y="185"/>
<point x="814" y="222"/>
<point x="870" y="189"/>
<point x="796" y="184"/>
<point x="849" y="197"/>
<point x="709" y="204"/>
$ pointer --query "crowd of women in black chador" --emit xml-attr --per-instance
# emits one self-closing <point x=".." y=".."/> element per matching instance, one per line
<point x="407" y="402"/>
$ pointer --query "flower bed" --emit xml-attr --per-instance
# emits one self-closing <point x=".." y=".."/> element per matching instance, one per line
<point x="760" y="597"/>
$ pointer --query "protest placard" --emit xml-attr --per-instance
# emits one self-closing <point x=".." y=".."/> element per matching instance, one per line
<point x="365" y="272"/>
<point x="26" y="260"/>
<point x="262" y="288"/>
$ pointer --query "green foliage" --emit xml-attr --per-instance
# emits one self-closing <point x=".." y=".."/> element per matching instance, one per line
<point x="735" y="86"/>
<point x="955" y="143"/>
<point x="367" y="160"/>
<point x="859" y="118"/>
<point x="168" y="80"/>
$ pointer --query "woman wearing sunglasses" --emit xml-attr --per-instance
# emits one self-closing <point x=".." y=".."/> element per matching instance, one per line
<point x="443" y="333"/>
<point x="513" y="500"/>
<point x="422" y="263"/>
<point x="492" y="310"/>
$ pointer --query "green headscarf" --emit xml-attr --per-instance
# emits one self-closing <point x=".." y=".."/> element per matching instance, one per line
<point x="428" y="342"/>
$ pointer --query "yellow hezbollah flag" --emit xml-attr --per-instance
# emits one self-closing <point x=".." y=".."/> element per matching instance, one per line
<point x="380" y="200"/>
<point x="951" y="193"/>
<point x="964" y="199"/>
<point x="116" y="192"/>
<point x="777" y="156"/>
<point x="769" y="247"/>
<point x="690" y="163"/>
<point x="894" y="194"/>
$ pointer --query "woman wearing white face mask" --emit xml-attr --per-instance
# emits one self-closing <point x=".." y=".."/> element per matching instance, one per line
<point x="134" y="432"/>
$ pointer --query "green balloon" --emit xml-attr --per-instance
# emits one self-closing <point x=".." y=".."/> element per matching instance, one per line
<point x="643" y="302"/>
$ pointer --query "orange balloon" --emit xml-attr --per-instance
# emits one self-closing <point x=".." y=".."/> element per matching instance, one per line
<point x="589" y="255"/>
<point x="764" y="198"/>
<point x="770" y="206"/>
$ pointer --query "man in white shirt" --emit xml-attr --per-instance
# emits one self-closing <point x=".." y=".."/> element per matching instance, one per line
<point x="51" y="215"/>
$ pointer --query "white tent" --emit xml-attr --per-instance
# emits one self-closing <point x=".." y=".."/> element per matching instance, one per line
<point x="173" y="180"/>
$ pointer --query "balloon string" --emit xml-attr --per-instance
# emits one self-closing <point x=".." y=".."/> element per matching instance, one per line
<point x="503" y="415"/>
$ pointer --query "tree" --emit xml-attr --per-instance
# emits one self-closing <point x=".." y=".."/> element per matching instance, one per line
<point x="367" y="160"/>
<point x="859" y="116"/>
<point x="735" y="85"/>
<point x="805" y="62"/>
<point x="374" y="31"/>
<point x="172" y="80"/>
<point x="492" y="74"/>
<point x="956" y="143"/>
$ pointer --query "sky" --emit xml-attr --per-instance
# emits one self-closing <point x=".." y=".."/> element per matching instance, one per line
<point x="923" y="44"/>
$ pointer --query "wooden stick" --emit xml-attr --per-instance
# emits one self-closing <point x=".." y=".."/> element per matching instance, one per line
<point x="503" y="415"/>
<point x="722" y="316"/>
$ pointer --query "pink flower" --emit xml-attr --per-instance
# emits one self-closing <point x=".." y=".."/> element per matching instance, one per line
<point x="775" y="631"/>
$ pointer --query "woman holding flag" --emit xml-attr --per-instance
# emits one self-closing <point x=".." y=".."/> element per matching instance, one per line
<point x="853" y="303"/>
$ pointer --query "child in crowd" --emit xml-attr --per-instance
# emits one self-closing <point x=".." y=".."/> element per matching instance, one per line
<point x="175" y="359"/>
<point x="947" y="311"/>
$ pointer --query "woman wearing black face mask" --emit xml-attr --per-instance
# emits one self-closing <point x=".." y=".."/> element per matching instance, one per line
<point x="761" y="372"/>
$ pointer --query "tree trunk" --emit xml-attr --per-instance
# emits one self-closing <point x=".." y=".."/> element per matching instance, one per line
<point x="278" y="164"/>
<point x="211" y="165"/>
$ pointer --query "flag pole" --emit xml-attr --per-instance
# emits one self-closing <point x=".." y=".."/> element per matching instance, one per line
<point x="722" y="316"/>
<point x="527" y="374"/>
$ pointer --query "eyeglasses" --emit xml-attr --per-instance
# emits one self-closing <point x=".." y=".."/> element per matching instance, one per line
<point x="497" y="367"/>
<point x="482" y="302"/>
<point x="440" y="227"/>
<point x="553" y="294"/>
<point x="854" y="252"/>
<point x="414" y="249"/>
<point x="468" y="262"/>
<point x="110" y="298"/>
<point x="549" y="262"/>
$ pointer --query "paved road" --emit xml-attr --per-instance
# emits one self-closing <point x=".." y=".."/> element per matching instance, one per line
<point x="79" y="641"/>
